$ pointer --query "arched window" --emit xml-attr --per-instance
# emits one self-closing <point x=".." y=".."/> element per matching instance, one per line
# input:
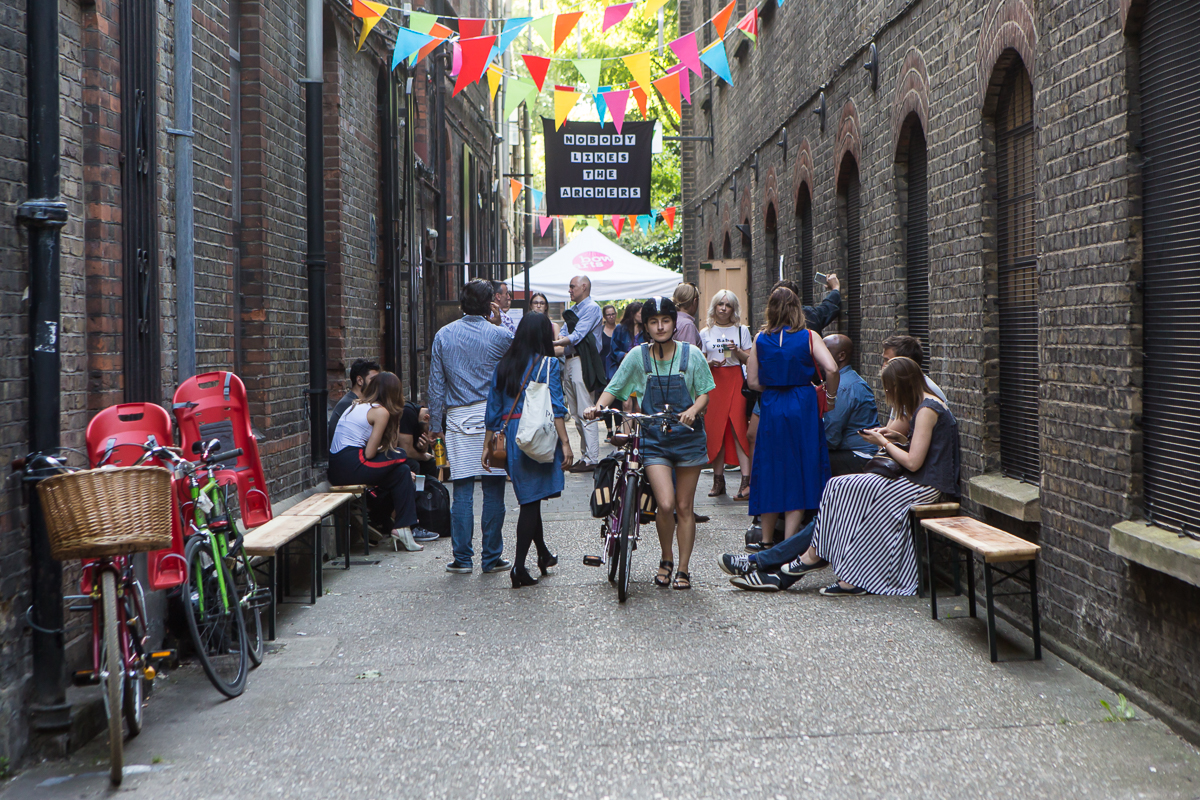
<point x="727" y="248"/>
<point x="1170" y="95"/>
<point x="711" y="252"/>
<point x="804" y="243"/>
<point x="912" y="185"/>
<point x="771" y="239"/>
<point x="850" y="213"/>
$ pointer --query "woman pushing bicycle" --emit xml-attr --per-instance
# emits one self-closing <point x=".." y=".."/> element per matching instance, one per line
<point x="673" y="377"/>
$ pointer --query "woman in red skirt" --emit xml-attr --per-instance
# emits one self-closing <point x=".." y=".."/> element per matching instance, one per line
<point x="727" y="348"/>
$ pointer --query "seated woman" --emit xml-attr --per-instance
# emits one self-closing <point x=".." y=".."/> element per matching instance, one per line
<point x="365" y="452"/>
<point x="667" y="375"/>
<point x="862" y="529"/>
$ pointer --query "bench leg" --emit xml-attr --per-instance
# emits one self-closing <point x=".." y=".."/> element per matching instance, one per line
<point x="971" y="583"/>
<point x="316" y="570"/>
<point x="272" y="581"/>
<point x="932" y="584"/>
<point x="919" y="545"/>
<point x="343" y="532"/>
<point x="1033" y="611"/>
<point x="366" y="536"/>
<point x="991" y="610"/>
<point x="285" y="569"/>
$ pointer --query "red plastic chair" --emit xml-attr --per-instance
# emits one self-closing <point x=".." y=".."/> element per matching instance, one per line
<point x="115" y="437"/>
<point x="214" y="406"/>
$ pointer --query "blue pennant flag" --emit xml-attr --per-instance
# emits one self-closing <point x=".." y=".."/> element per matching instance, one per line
<point x="601" y="106"/>
<point x="718" y="62"/>
<point x="407" y="43"/>
<point x="512" y="29"/>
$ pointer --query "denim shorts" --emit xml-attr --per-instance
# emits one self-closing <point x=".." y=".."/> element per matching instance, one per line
<point x="673" y="463"/>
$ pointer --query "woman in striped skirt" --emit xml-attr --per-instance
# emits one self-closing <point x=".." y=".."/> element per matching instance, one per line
<point x="862" y="529"/>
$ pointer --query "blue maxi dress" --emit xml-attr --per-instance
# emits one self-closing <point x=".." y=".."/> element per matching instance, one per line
<point x="531" y="480"/>
<point x="791" y="459"/>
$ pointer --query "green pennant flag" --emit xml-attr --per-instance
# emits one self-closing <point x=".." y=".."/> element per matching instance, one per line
<point x="545" y="29"/>
<point x="589" y="68"/>
<point x="421" y="22"/>
<point x="515" y="93"/>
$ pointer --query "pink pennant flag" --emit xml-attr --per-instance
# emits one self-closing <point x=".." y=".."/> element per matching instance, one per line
<point x="544" y="223"/>
<point x="618" y="222"/>
<point x="685" y="88"/>
<point x="616" y="102"/>
<point x="687" y="52"/>
<point x="614" y="14"/>
<point x="456" y="60"/>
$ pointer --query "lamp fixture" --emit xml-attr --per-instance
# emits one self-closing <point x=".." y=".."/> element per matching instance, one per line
<point x="783" y="143"/>
<point x="820" y="109"/>
<point x="872" y="66"/>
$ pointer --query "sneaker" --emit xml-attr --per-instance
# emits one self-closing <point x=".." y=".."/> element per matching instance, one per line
<point x="404" y="536"/>
<point x="422" y="535"/>
<point x="732" y="564"/>
<point x="500" y="566"/>
<point x="459" y="568"/>
<point x="758" y="547"/>
<point x="797" y="567"/>
<point x="757" y="581"/>
<point x="836" y="590"/>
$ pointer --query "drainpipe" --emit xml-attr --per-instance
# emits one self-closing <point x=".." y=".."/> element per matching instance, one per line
<point x="528" y="198"/>
<point x="45" y="215"/>
<point x="185" y="242"/>
<point x="318" y="388"/>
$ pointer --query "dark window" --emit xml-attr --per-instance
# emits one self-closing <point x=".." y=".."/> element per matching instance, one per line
<point x="139" y="149"/>
<point x="1016" y="247"/>
<point x="804" y="244"/>
<point x="771" y="239"/>
<point x="851" y="208"/>
<point x="916" y="250"/>
<point x="711" y="253"/>
<point x="1170" y="95"/>
<point x="390" y="203"/>
<point x="727" y="248"/>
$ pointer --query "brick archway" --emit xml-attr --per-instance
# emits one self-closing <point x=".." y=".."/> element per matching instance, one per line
<point x="849" y="139"/>
<point x="912" y="95"/>
<point x="1008" y="26"/>
<point x="770" y="196"/>
<point x="803" y="171"/>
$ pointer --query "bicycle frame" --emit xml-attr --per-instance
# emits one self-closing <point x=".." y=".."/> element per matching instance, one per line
<point x="132" y="649"/>
<point x="629" y="466"/>
<point x="202" y="526"/>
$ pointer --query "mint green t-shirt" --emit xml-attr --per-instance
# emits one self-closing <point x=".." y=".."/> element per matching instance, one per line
<point x="631" y="375"/>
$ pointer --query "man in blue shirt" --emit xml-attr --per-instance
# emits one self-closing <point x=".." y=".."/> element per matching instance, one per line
<point x="586" y="333"/>
<point x="854" y="410"/>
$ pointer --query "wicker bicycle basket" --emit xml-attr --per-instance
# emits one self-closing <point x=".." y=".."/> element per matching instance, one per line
<point x="107" y="512"/>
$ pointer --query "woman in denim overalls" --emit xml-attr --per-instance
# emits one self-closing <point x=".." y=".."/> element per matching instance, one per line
<point x="667" y="376"/>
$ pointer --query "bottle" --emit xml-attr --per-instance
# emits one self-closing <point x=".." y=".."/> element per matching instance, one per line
<point x="439" y="453"/>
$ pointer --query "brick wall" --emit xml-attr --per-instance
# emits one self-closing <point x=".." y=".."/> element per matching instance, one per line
<point x="938" y="62"/>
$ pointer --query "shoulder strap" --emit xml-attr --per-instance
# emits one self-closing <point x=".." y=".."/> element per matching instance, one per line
<point x="524" y="383"/>
<point x="646" y="357"/>
<point x="683" y="358"/>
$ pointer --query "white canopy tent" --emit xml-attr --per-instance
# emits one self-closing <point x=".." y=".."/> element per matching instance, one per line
<point x="616" y="273"/>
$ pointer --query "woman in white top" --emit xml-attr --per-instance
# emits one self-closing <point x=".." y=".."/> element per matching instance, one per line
<point x="727" y="346"/>
<point x="365" y="452"/>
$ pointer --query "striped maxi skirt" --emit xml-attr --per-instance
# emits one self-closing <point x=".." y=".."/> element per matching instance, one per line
<point x="862" y="530"/>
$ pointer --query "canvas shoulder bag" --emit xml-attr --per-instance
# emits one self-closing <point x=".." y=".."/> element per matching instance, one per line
<point x="536" y="434"/>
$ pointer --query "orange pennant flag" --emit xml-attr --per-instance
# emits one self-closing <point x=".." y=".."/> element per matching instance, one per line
<point x="669" y="216"/>
<point x="365" y="9"/>
<point x="632" y="220"/>
<point x="439" y="32"/>
<point x="668" y="86"/>
<point x="721" y="20"/>
<point x="639" y="94"/>
<point x="564" y="24"/>
<point x="515" y="185"/>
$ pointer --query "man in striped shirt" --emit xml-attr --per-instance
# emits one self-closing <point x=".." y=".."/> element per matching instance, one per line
<point x="465" y="354"/>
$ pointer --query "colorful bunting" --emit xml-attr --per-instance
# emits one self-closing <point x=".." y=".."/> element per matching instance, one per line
<point x="686" y="51"/>
<point x="651" y="7"/>
<point x="749" y="25"/>
<point x="685" y="88"/>
<point x="440" y="33"/>
<point x="632" y="220"/>
<point x="669" y="215"/>
<point x="364" y="9"/>
<point x="518" y="92"/>
<point x="512" y="29"/>
<point x="475" y="54"/>
<point x="537" y="197"/>
<point x="721" y="20"/>
<point x="455" y="59"/>
<point x="668" y="86"/>
<point x="470" y="28"/>
<point x="544" y="223"/>
<point x="618" y="223"/>
<point x="639" y="65"/>
<point x="616" y="102"/>
<point x="614" y="14"/>
<point x="639" y="94"/>
<point x="537" y="66"/>
<point x="565" y="98"/>
<point x="545" y="29"/>
<point x="718" y="61"/>
<point x="601" y="106"/>
<point x="407" y="43"/>
<point x="643" y="221"/>
<point x="589" y="68"/>
<point x="422" y="22"/>
<point x="514" y="186"/>
<point x="494" y="75"/>
<point x="563" y="25"/>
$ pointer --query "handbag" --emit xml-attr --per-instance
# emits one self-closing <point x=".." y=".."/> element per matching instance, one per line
<point x="884" y="465"/>
<point x="498" y="449"/>
<point x="536" y="434"/>
<point x="822" y="392"/>
<point x="433" y="507"/>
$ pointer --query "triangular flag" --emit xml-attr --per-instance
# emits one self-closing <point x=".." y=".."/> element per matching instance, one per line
<point x="614" y="14"/>
<point x="749" y="25"/>
<point x="631" y="219"/>
<point x="618" y="223"/>
<point x="589" y="68"/>
<point x="512" y="28"/>
<point x="407" y="43"/>
<point x="686" y="51"/>
<point x="369" y="24"/>
<point x="494" y="76"/>
<point x="439" y="33"/>
<point x="651" y="7"/>
<point x="514" y="186"/>
<point x="544" y="222"/>
<point x="721" y="20"/>
<point x="685" y="88"/>
<point x="366" y="10"/>
<point x="639" y="94"/>
<point x="470" y="28"/>
<point x="669" y="215"/>
<point x="565" y="98"/>
<point x="545" y="28"/>
<point x="422" y="22"/>
<point x="717" y="61"/>
<point x="643" y="221"/>
<point x="518" y="92"/>
<point x="537" y="65"/>
<point x="653" y="219"/>
<point x="601" y="106"/>
<point x="563" y="25"/>
<point x="537" y="197"/>
<point x="616" y="102"/>
<point x="668" y="86"/>
<point x="474" y="61"/>
<point x="455" y="59"/>
<point x="639" y="65"/>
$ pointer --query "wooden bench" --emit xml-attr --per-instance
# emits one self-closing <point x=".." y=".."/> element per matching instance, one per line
<point x="359" y="493"/>
<point x="970" y="537"/>
<point x="268" y="539"/>
<point x="322" y="505"/>
<point x="929" y="511"/>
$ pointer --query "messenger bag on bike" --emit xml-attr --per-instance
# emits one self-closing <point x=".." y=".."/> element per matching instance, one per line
<point x="604" y="491"/>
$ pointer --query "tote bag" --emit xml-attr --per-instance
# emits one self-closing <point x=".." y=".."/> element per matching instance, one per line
<point x="536" y="435"/>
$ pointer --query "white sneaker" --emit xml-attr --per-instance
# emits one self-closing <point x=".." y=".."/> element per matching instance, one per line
<point x="403" y="536"/>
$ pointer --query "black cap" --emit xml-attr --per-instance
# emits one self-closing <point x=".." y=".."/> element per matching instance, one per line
<point x="657" y="306"/>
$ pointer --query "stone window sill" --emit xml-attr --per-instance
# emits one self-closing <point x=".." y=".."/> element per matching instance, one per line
<point x="1021" y="501"/>
<point x="1160" y="550"/>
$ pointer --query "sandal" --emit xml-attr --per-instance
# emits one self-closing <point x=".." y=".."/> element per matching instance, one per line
<point x="744" y="489"/>
<point x="682" y="580"/>
<point x="661" y="580"/>
<point x="718" y="487"/>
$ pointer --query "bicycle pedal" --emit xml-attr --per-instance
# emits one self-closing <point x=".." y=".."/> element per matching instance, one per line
<point x="85" y="677"/>
<point x="593" y="561"/>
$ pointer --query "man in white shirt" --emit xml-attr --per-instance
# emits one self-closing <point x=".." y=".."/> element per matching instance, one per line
<point x="586" y="333"/>
<point x="504" y="301"/>
<point x="910" y="347"/>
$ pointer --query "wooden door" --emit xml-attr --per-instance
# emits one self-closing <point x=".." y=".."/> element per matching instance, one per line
<point x="729" y="274"/>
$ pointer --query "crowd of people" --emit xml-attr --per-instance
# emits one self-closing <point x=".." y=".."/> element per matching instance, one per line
<point x="826" y="483"/>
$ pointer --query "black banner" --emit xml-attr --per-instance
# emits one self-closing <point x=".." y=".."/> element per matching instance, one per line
<point x="592" y="169"/>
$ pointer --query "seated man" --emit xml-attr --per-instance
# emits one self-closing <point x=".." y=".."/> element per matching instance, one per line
<point x="415" y="439"/>
<point x="854" y="411"/>
<point x="901" y="346"/>
<point x="361" y="373"/>
<point x="760" y="572"/>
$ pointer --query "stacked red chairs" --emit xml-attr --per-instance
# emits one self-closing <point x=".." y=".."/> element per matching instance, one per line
<point x="214" y="406"/>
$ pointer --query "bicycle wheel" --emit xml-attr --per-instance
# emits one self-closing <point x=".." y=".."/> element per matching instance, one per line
<point x="113" y="675"/>
<point x="629" y="521"/>
<point x="613" y="542"/>
<point x="215" y="621"/>
<point x="136" y="685"/>
<point x="247" y="592"/>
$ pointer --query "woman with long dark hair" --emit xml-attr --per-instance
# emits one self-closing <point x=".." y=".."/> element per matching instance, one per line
<point x="366" y="451"/>
<point x="530" y="358"/>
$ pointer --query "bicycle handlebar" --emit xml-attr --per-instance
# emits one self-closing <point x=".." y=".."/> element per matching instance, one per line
<point x="666" y="416"/>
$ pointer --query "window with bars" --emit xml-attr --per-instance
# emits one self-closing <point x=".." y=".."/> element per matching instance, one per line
<point x="851" y="212"/>
<point x="804" y="244"/>
<point x="916" y="250"/>
<point x="1170" y="95"/>
<point x="235" y="171"/>
<point x="1016" y="246"/>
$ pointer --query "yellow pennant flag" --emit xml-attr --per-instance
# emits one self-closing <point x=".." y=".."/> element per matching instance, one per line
<point x="564" y="100"/>
<point x="639" y="65"/>
<point x="494" y="75"/>
<point x="369" y="23"/>
<point x="651" y="7"/>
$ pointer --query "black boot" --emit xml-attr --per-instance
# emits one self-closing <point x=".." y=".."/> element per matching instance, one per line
<point x="521" y="577"/>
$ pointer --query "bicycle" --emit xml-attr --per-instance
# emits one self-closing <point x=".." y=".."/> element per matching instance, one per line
<point x="620" y="529"/>
<point x="116" y="601"/>
<point x="225" y="624"/>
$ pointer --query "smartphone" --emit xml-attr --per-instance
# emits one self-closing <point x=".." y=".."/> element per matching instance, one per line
<point x="820" y="278"/>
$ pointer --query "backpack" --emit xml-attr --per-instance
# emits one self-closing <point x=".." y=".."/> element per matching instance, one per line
<point x="604" y="479"/>
<point x="433" y="507"/>
<point x="536" y="434"/>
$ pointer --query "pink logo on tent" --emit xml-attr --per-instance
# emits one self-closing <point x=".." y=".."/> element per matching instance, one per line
<point x="592" y="261"/>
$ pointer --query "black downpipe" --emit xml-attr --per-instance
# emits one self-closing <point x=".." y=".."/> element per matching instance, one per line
<point x="528" y="135"/>
<point x="318" y="390"/>
<point x="441" y="148"/>
<point x="412" y="240"/>
<point x="44" y="214"/>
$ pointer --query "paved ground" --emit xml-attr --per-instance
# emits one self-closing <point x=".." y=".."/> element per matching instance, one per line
<point x="406" y="681"/>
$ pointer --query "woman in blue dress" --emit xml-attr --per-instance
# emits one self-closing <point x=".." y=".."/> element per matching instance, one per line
<point x="791" y="459"/>
<point x="531" y="353"/>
